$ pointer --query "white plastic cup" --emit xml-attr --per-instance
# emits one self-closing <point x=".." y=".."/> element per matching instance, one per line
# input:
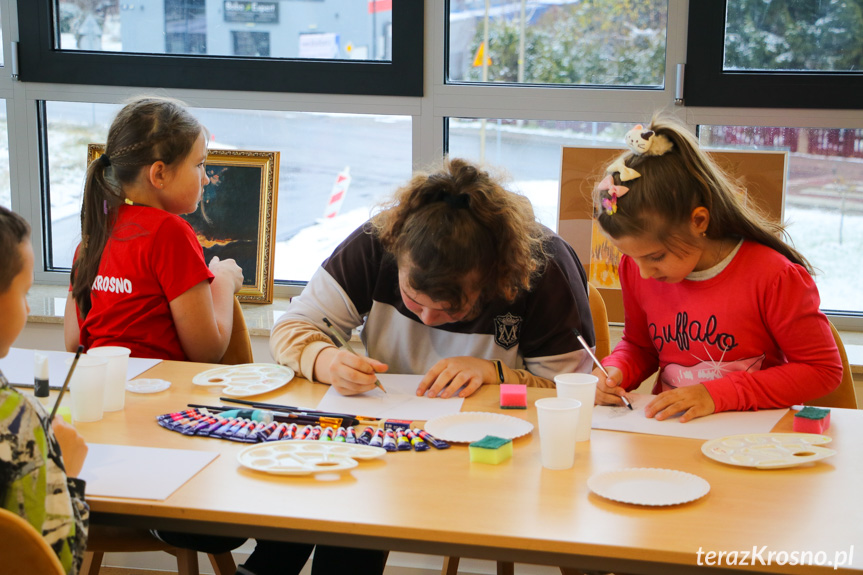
<point x="115" y="378"/>
<point x="87" y="388"/>
<point x="558" y="423"/>
<point x="580" y="386"/>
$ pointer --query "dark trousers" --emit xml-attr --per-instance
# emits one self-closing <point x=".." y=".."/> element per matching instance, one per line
<point x="284" y="558"/>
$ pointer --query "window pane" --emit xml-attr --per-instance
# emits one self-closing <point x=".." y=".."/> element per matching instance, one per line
<point x="371" y="155"/>
<point x="530" y="152"/>
<point x="326" y="29"/>
<point x="570" y="42"/>
<point x="823" y="200"/>
<point x="5" y="190"/>
<point x="794" y="36"/>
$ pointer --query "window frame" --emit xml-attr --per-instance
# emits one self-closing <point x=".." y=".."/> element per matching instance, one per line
<point x="41" y="61"/>
<point x="707" y="84"/>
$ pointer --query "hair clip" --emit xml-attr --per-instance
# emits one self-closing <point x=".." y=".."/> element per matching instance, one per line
<point x="626" y="173"/>
<point x="105" y="206"/>
<point x="646" y="142"/>
<point x="458" y="201"/>
<point x="609" y="204"/>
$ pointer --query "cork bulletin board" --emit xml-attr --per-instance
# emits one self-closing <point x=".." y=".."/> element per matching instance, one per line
<point x="762" y="174"/>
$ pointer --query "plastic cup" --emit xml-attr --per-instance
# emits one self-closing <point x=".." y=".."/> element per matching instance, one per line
<point x="580" y="386"/>
<point x="558" y="423"/>
<point x="87" y="388"/>
<point x="115" y="378"/>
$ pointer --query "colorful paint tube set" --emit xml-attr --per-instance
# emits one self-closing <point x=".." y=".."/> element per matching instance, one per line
<point x="256" y="426"/>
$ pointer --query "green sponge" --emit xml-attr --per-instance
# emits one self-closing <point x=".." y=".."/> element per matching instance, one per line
<point x="490" y="449"/>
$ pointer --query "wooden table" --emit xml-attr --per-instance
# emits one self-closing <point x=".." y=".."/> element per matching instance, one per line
<point x="438" y="502"/>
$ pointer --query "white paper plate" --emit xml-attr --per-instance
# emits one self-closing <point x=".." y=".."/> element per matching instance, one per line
<point x="469" y="426"/>
<point x="305" y="457"/>
<point x="768" y="450"/>
<point x="649" y="486"/>
<point x="246" y="379"/>
<point x="147" y="385"/>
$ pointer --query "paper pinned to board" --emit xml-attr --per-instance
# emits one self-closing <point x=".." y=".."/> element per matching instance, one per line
<point x="400" y="401"/>
<point x="620" y="418"/>
<point x="140" y="472"/>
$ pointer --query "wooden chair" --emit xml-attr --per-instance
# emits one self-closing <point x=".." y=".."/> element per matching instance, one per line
<point x="102" y="539"/>
<point x="844" y="395"/>
<point x="240" y="346"/>
<point x="24" y="550"/>
<point x="599" y="313"/>
<point x="600" y="322"/>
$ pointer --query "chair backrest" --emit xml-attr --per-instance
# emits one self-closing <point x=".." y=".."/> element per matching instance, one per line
<point x="24" y="550"/>
<point x="600" y="322"/>
<point x="240" y="346"/>
<point x="844" y="395"/>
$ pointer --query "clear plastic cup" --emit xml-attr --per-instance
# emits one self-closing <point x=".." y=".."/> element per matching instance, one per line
<point x="580" y="386"/>
<point x="558" y="423"/>
<point x="87" y="388"/>
<point x="115" y="378"/>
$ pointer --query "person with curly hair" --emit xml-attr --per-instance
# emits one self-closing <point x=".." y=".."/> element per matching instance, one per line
<point x="453" y="279"/>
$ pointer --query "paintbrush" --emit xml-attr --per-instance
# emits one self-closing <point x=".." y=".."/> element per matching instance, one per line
<point x="302" y="418"/>
<point x="65" y="383"/>
<point x="294" y="409"/>
<point x="345" y="345"/>
<point x="596" y="361"/>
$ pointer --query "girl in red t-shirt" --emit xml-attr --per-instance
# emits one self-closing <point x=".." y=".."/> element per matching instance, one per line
<point x="139" y="278"/>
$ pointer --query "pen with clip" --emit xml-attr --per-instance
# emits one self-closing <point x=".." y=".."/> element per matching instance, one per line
<point x="345" y="345"/>
<point x="596" y="361"/>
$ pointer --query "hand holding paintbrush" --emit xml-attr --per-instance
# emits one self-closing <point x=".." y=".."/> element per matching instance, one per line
<point x="598" y="364"/>
<point x="346" y="347"/>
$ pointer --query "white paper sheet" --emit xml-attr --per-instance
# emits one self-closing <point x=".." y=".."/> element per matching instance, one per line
<point x="19" y="365"/>
<point x="620" y="418"/>
<point x="140" y="472"/>
<point x="400" y="401"/>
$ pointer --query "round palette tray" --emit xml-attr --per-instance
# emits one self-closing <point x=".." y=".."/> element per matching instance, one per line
<point x="305" y="457"/>
<point x="469" y="426"/>
<point x="768" y="450"/>
<point x="246" y="379"/>
<point x="649" y="486"/>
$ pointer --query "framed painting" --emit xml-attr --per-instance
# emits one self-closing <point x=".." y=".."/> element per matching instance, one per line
<point x="761" y="173"/>
<point x="236" y="216"/>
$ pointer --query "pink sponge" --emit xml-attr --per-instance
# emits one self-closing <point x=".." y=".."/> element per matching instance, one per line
<point x="513" y="396"/>
<point x="812" y="420"/>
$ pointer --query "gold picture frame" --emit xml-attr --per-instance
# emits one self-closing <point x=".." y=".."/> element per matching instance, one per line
<point x="236" y="215"/>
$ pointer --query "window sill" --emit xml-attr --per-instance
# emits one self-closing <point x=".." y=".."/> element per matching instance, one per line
<point x="48" y="304"/>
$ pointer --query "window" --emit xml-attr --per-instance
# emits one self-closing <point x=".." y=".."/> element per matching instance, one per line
<point x="369" y="154"/>
<point x="5" y="189"/>
<point x="780" y="54"/>
<point x="530" y="151"/>
<point x="823" y="199"/>
<point x="569" y="42"/>
<point x="200" y="44"/>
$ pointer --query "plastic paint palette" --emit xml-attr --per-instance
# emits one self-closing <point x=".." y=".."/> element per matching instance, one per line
<point x="246" y="379"/>
<point x="768" y="450"/>
<point x="305" y="457"/>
